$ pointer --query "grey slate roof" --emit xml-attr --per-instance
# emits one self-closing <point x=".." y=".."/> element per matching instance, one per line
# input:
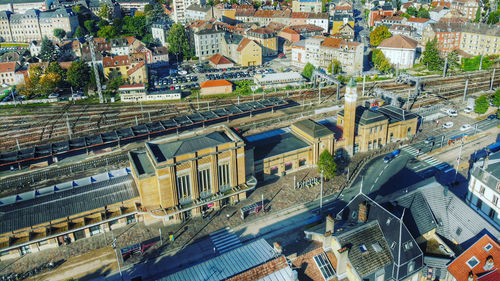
<point x="396" y="114"/>
<point x="368" y="235"/>
<point x="199" y="8"/>
<point x="227" y="265"/>
<point x="66" y="203"/>
<point x="313" y="128"/>
<point x="438" y="265"/>
<point x="164" y="151"/>
<point x="141" y="163"/>
<point x="365" y="116"/>
<point x="276" y="145"/>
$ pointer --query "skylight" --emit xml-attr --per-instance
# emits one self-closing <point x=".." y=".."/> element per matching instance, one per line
<point x="488" y="247"/>
<point x="363" y="248"/>
<point x="472" y="262"/>
<point x="376" y="246"/>
<point x="324" y="265"/>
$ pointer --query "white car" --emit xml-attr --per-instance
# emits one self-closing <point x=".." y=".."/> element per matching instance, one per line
<point x="465" y="127"/>
<point x="452" y="113"/>
<point x="53" y="96"/>
<point x="448" y="125"/>
<point x="468" y="109"/>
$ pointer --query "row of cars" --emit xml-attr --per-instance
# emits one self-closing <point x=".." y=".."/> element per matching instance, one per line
<point x="238" y="74"/>
<point x="175" y="82"/>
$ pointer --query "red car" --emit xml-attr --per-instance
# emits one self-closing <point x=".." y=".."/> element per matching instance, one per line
<point x="281" y="56"/>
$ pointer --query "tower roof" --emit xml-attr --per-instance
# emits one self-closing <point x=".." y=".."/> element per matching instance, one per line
<point x="351" y="83"/>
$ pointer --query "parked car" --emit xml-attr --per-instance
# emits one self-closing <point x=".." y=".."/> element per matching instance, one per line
<point x="452" y="113"/>
<point x="468" y="109"/>
<point x="429" y="140"/>
<point x="492" y="117"/>
<point x="465" y="127"/>
<point x="448" y="125"/>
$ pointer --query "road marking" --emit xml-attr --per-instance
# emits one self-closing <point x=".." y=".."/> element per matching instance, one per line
<point x="381" y="172"/>
<point x="373" y="185"/>
<point x="386" y="166"/>
<point x="376" y="179"/>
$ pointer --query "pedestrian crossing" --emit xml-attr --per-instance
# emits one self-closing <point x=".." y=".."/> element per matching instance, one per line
<point x="410" y="150"/>
<point x="224" y="240"/>
<point x="429" y="160"/>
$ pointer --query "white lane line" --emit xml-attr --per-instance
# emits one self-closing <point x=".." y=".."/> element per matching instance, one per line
<point x="386" y="166"/>
<point x="376" y="180"/>
<point x="373" y="185"/>
<point x="381" y="172"/>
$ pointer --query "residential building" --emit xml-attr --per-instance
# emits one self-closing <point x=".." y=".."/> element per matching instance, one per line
<point x="35" y="25"/>
<point x="289" y="34"/>
<point x="466" y="7"/>
<point x="180" y="6"/>
<point x="182" y="175"/>
<point x="159" y="56"/>
<point x="340" y="20"/>
<point x="220" y="62"/>
<point x="419" y="24"/>
<point x="131" y="6"/>
<point x="120" y="46"/>
<point x="198" y="12"/>
<point x="9" y="74"/>
<point x="480" y="262"/>
<point x="384" y="10"/>
<point x="207" y="42"/>
<point x="341" y="7"/>
<point x="480" y="39"/>
<point x="399" y="50"/>
<point x="448" y="35"/>
<point x="319" y="19"/>
<point x="278" y="80"/>
<point x="159" y="30"/>
<point x="310" y="6"/>
<point x="406" y="30"/>
<point x="346" y="32"/>
<point x="241" y="50"/>
<point x="438" y="12"/>
<point x="215" y="87"/>
<point x="128" y="68"/>
<point x="484" y="188"/>
<point x="306" y="30"/>
<point x="266" y="38"/>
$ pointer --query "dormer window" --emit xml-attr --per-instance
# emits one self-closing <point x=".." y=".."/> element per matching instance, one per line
<point x="472" y="262"/>
<point x="488" y="247"/>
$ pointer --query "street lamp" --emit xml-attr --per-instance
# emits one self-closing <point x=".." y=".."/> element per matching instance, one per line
<point x="321" y="193"/>
<point x="113" y="244"/>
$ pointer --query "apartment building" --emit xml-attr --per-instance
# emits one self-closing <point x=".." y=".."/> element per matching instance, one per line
<point x="480" y="39"/>
<point x="180" y="7"/>
<point x="448" y="35"/>
<point x="310" y="6"/>
<point x="198" y="12"/>
<point x="241" y="50"/>
<point x="9" y="74"/>
<point x="266" y="38"/>
<point x="207" y="42"/>
<point x="484" y="188"/>
<point x="35" y="25"/>
<point x="467" y="8"/>
<point x="159" y="30"/>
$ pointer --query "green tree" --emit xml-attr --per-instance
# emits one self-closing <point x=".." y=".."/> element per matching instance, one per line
<point x="453" y="60"/>
<point x="108" y="32"/>
<point x="148" y="8"/>
<point x="102" y="23"/>
<point x="54" y="67"/>
<point x="423" y="13"/>
<point x="77" y="8"/>
<point x="431" y="56"/>
<point x="135" y="25"/>
<point x="412" y="11"/>
<point x="79" y="32"/>
<point x="334" y="67"/>
<point x="48" y="51"/>
<point x="478" y="15"/>
<point x="178" y="43"/>
<point x="308" y="70"/>
<point x="380" y="61"/>
<point x="496" y="98"/>
<point x="90" y="26"/>
<point x="104" y="11"/>
<point x="379" y="34"/>
<point x="493" y="17"/>
<point x="78" y="74"/>
<point x="115" y="81"/>
<point x="327" y="164"/>
<point x="59" y="33"/>
<point x="481" y="105"/>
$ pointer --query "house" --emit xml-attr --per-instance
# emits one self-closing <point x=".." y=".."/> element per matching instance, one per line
<point x="419" y="24"/>
<point x="207" y="42"/>
<point x="480" y="262"/>
<point x="131" y="68"/>
<point x="289" y="34"/>
<point x="399" y="29"/>
<point x="307" y="30"/>
<point x="241" y="50"/>
<point x="389" y="21"/>
<point x="198" y="12"/>
<point x="340" y="20"/>
<point x="346" y="32"/>
<point x="9" y="74"/>
<point x="484" y="186"/>
<point x="384" y="10"/>
<point x="159" y="56"/>
<point x="137" y="74"/>
<point x="310" y="6"/>
<point x="160" y="30"/>
<point x="215" y="87"/>
<point x="220" y="62"/>
<point x="399" y="50"/>
<point x="120" y="46"/>
<point x="266" y="38"/>
<point x="319" y="19"/>
<point x="448" y="35"/>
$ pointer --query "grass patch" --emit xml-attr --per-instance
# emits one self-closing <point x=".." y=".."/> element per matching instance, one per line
<point x="13" y="45"/>
<point x="25" y="105"/>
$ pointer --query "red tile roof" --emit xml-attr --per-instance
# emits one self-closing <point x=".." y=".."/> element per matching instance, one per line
<point x="417" y="20"/>
<point x="243" y="44"/>
<point x="219" y="59"/>
<point x="493" y="275"/>
<point x="343" y="8"/>
<point x="135" y="68"/>
<point x="331" y="42"/>
<point x="399" y="42"/>
<point x="262" y="270"/>
<point x="131" y="86"/>
<point x="215" y="83"/>
<point x="7" y="67"/>
<point x="460" y="269"/>
<point x="115" y="61"/>
<point x="307" y="268"/>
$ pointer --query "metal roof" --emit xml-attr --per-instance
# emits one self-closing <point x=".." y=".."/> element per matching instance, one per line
<point x="277" y="144"/>
<point x="228" y="264"/>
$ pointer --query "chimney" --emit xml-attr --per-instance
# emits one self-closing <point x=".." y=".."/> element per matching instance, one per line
<point x="277" y="248"/>
<point x="342" y="261"/>
<point x="327" y="240"/>
<point x="363" y="212"/>
<point x="330" y="224"/>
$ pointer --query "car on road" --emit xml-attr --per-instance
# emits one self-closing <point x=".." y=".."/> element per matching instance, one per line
<point x="465" y="127"/>
<point x="388" y="158"/>
<point x="492" y="117"/>
<point x="468" y="109"/>
<point x="452" y="113"/>
<point x="429" y="140"/>
<point x="53" y="96"/>
<point x="448" y="125"/>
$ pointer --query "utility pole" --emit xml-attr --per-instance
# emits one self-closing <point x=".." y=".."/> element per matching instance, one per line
<point x="321" y="194"/>
<point x="319" y="95"/>
<point x="458" y="160"/>
<point x="481" y="63"/>
<point x="465" y="89"/>
<point x="492" y="79"/>
<point x="67" y="124"/>
<point x="117" y="258"/>
<point x="445" y="67"/>
<point x="18" y="146"/>
<point x="364" y="80"/>
<point x="90" y="40"/>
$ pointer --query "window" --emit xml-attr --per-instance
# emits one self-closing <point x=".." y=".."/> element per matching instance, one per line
<point x="495" y="200"/>
<point x="488" y="247"/>
<point x="288" y="166"/>
<point x="184" y="186"/>
<point x="411" y="266"/>
<point x="472" y="262"/>
<point x="377" y="247"/>
<point x="224" y="176"/>
<point x="274" y="170"/>
<point x="408" y="245"/>
<point x="481" y="190"/>
<point x="131" y="219"/>
<point x="302" y="162"/>
<point x="204" y="180"/>
<point x="324" y="265"/>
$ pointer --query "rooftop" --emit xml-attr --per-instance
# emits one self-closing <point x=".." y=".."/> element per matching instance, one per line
<point x="7" y="67"/>
<point x="215" y="83"/>
<point x="396" y="114"/>
<point x="313" y="129"/>
<point x="276" y="144"/>
<point x="219" y="59"/>
<point x="398" y="42"/>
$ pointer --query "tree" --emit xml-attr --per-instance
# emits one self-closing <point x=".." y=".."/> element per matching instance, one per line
<point x="59" y="33"/>
<point x="496" y="98"/>
<point x="308" y="70"/>
<point x="481" y="105"/>
<point x="379" y="34"/>
<point x="178" y="43"/>
<point x="108" y="32"/>
<point x="412" y="11"/>
<point x="327" y="164"/>
<point x="135" y="25"/>
<point x="104" y="11"/>
<point x="90" y="26"/>
<point x="478" y="15"/>
<point x="423" y="13"/>
<point x="148" y="8"/>
<point x="54" y="67"/>
<point x="79" y="32"/>
<point x="453" y="60"/>
<point x="48" y="51"/>
<point x="380" y="61"/>
<point x="431" y="56"/>
<point x="78" y="74"/>
<point x="493" y="17"/>
<point x="334" y="66"/>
